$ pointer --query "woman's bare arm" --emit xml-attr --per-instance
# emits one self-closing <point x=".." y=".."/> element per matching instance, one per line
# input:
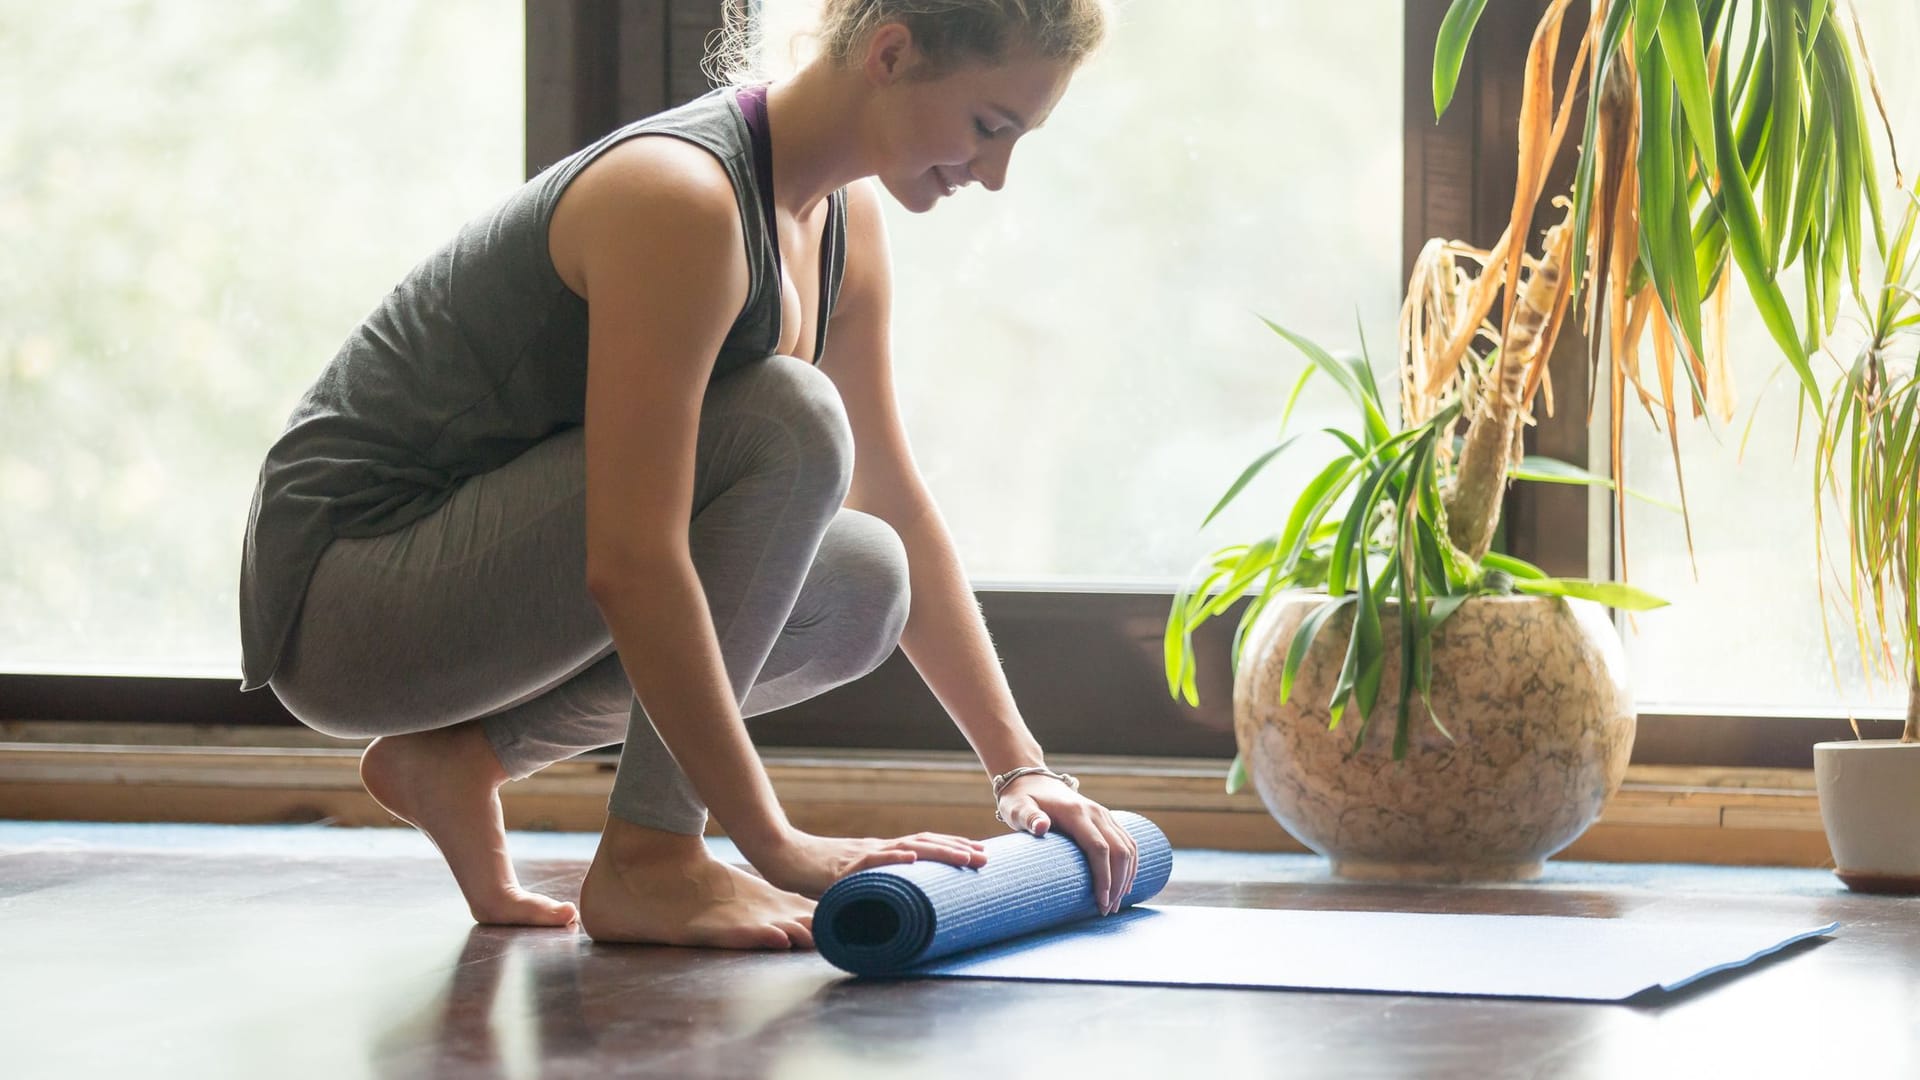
<point x="656" y="245"/>
<point x="652" y="234"/>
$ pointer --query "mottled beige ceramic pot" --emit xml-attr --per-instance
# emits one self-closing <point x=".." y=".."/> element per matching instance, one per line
<point x="1535" y="693"/>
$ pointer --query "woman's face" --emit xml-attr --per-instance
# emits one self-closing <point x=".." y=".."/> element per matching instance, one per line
<point x="941" y="134"/>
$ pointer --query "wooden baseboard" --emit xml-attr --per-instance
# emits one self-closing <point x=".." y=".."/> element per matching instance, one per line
<point x="1764" y="817"/>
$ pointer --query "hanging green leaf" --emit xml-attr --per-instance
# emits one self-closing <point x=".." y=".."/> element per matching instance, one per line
<point x="1236" y="775"/>
<point x="1646" y="26"/>
<point x="1303" y="640"/>
<point x="1686" y="58"/>
<point x="1258" y="560"/>
<point x="1815" y="161"/>
<point x="1749" y="248"/>
<point x="1611" y="593"/>
<point x="1783" y="149"/>
<point x="1612" y="32"/>
<point x="1546" y="470"/>
<point x="1450" y="50"/>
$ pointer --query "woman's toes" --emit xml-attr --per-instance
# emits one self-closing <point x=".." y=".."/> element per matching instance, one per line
<point x="522" y="908"/>
<point x="800" y="936"/>
<point x="758" y="937"/>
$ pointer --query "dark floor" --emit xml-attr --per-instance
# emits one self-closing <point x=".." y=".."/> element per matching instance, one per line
<point x="301" y="951"/>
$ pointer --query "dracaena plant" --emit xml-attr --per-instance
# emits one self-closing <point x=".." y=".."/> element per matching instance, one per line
<point x="1867" y="459"/>
<point x="1371" y="528"/>
<point x="1721" y="135"/>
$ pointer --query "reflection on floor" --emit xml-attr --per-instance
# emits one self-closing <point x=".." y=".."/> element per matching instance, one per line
<point x="307" y="951"/>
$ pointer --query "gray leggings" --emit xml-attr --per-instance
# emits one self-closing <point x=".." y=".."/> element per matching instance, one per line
<point x="480" y="611"/>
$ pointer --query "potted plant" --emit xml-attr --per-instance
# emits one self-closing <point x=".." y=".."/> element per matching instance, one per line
<point x="1867" y="456"/>
<point x="1709" y="146"/>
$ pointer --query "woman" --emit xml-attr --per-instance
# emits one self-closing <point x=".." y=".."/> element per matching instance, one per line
<point x="594" y="454"/>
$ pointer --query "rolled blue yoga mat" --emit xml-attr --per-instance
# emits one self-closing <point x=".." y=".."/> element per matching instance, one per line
<point x="894" y="919"/>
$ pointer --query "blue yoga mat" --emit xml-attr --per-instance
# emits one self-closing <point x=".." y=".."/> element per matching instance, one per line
<point x="891" y="920"/>
<point x="1029" y="914"/>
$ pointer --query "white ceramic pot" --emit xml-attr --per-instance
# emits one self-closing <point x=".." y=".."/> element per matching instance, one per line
<point x="1870" y="804"/>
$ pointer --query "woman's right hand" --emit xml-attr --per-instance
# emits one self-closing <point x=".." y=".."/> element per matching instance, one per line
<point x="807" y="864"/>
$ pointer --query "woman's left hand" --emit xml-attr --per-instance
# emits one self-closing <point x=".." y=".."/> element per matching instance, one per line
<point x="1037" y="803"/>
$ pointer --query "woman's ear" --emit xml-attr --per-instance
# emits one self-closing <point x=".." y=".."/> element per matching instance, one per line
<point x="890" y="54"/>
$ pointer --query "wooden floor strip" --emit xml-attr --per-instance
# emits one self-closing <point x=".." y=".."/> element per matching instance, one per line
<point x="1738" y="817"/>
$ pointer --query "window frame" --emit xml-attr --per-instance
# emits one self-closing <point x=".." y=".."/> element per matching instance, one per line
<point x="1084" y="664"/>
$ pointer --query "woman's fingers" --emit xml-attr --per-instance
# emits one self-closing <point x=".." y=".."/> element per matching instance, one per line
<point x="1112" y="856"/>
<point x="964" y="843"/>
<point x="957" y="850"/>
<point x="1036" y="821"/>
<point x="882" y="856"/>
<point x="1126" y="859"/>
<point x="1099" y="851"/>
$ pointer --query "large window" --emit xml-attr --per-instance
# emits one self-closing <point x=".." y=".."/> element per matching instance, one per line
<point x="199" y="200"/>
<point x="1078" y="355"/>
<point x="1746" y="633"/>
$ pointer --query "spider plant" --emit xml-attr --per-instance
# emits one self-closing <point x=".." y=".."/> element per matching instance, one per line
<point x="1721" y="134"/>
<point x="1370" y="527"/>
<point x="1867" y="458"/>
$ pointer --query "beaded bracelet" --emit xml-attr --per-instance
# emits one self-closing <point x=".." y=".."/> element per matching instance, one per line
<point x="1000" y="783"/>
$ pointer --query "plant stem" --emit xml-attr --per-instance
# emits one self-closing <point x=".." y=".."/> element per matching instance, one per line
<point x="1492" y="442"/>
<point x="1911" y="733"/>
<point x="1473" y="503"/>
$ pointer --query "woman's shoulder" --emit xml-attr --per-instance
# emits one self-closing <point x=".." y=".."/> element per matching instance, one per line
<point x="663" y="169"/>
<point x="651" y="187"/>
<point x="683" y="155"/>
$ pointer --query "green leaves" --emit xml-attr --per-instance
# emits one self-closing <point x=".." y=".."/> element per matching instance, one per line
<point x="1450" y="50"/>
<point x="1612" y="34"/>
<point x="1763" y="156"/>
<point x="1867" y="458"/>
<point x="1236" y="775"/>
<point x="1369" y="525"/>
<point x="1546" y="470"/>
<point x="1611" y="593"/>
<point x="1754" y="156"/>
<point x="1686" y="58"/>
<point x="1354" y="378"/>
<point x="1748" y="236"/>
<point x="1646" y="21"/>
<point x="1666" y="247"/>
<point x="1246" y="477"/>
<point x="1783" y="141"/>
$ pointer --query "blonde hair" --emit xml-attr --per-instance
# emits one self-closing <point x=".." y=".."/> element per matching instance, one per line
<point x="949" y="33"/>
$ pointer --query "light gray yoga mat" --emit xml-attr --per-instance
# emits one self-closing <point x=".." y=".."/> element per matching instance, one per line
<point x="1393" y="952"/>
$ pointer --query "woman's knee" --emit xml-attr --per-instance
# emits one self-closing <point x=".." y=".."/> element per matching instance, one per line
<point x="803" y="405"/>
<point x="346" y="705"/>
<point x="326" y="706"/>
<point x="874" y="596"/>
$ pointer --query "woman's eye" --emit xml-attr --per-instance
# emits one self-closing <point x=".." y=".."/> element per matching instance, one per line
<point x="985" y="132"/>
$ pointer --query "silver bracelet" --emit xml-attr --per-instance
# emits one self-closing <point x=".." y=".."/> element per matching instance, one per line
<point x="1000" y="783"/>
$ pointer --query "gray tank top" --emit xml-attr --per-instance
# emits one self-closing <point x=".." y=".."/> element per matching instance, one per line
<point x="478" y="354"/>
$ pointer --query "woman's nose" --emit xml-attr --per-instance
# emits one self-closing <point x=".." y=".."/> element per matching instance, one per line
<point x="991" y="169"/>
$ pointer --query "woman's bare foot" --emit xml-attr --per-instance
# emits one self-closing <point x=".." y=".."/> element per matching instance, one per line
<point x="665" y="889"/>
<point x="446" y="783"/>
